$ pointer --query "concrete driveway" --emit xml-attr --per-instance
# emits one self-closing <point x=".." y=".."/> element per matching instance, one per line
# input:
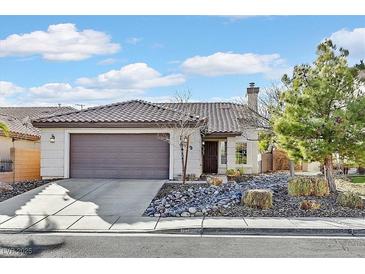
<point x="80" y="203"/>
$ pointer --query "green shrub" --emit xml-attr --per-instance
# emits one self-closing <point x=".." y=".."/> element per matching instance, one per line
<point x="257" y="198"/>
<point x="235" y="171"/>
<point x="350" y="199"/>
<point x="232" y="172"/>
<point x="308" y="186"/>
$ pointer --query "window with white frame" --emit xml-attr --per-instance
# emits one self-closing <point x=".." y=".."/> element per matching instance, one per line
<point x="223" y="149"/>
<point x="241" y="153"/>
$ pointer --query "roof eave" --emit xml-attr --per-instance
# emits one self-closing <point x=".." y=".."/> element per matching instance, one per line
<point x="152" y="124"/>
<point x="22" y="136"/>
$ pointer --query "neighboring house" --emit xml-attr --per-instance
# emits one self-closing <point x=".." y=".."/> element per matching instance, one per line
<point x="123" y="140"/>
<point x="23" y="140"/>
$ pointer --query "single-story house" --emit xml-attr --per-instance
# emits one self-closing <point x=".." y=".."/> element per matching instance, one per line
<point x="23" y="137"/>
<point x="128" y="140"/>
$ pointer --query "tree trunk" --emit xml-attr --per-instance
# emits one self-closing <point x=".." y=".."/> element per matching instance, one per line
<point x="186" y="159"/>
<point x="291" y="168"/>
<point x="182" y="162"/>
<point x="328" y="173"/>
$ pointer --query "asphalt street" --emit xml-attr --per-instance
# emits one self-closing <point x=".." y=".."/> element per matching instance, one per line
<point x="189" y="246"/>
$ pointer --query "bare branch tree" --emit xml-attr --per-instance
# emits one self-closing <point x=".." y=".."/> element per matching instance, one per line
<point x="260" y="119"/>
<point x="186" y="125"/>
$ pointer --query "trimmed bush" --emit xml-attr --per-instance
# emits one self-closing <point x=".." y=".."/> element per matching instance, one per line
<point x="233" y="174"/>
<point x="257" y="198"/>
<point x="309" y="205"/>
<point x="350" y="199"/>
<point x="308" y="186"/>
<point x="216" y="181"/>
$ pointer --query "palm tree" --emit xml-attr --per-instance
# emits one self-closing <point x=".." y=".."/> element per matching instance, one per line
<point x="4" y="128"/>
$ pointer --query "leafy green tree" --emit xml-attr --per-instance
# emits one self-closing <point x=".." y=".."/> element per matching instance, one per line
<point x="4" y="128"/>
<point x="323" y="110"/>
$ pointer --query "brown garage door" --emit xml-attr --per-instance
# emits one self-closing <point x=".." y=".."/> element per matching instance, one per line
<point x="131" y="156"/>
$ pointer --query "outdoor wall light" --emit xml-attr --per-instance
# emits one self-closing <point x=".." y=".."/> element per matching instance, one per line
<point x="52" y="139"/>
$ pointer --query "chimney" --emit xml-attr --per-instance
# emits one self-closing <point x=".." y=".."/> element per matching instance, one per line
<point x="252" y="94"/>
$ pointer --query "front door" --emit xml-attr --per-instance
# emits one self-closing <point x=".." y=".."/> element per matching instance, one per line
<point x="210" y="157"/>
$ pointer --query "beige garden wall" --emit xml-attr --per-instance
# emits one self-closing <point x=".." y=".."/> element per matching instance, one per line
<point x="26" y="166"/>
<point x="6" y="144"/>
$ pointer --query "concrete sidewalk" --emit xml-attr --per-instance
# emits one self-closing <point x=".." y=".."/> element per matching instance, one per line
<point x="195" y="225"/>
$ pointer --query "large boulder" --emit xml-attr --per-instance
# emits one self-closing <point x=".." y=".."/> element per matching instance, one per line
<point x="257" y="198"/>
<point x="308" y="186"/>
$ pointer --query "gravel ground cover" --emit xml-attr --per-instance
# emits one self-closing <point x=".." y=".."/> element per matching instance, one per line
<point x="20" y="187"/>
<point x="175" y="200"/>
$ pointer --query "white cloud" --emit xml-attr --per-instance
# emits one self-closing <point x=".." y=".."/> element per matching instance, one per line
<point x="9" y="89"/>
<point x="133" y="76"/>
<point x="354" y="41"/>
<point x="66" y="94"/>
<point x="130" y="82"/>
<point x="133" y="40"/>
<point x="62" y="42"/>
<point x="228" y="63"/>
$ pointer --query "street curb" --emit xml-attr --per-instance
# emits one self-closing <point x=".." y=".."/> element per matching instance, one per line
<point x="215" y="231"/>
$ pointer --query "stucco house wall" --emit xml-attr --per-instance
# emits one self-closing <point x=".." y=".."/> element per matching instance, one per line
<point x="252" y="151"/>
<point x="55" y="156"/>
<point x="195" y="161"/>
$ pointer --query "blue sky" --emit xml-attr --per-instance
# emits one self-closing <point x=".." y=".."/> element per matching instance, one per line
<point x="45" y="60"/>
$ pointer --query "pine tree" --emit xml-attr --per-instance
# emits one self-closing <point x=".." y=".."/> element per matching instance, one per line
<point x="324" y="111"/>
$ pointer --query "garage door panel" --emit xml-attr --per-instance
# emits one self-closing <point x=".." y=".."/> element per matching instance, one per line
<point x="127" y="174"/>
<point x="118" y="156"/>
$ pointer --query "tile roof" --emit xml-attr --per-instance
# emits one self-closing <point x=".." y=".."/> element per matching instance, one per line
<point x="19" y="128"/>
<point x="18" y="119"/>
<point x="223" y="117"/>
<point x="33" y="112"/>
<point x="135" y="111"/>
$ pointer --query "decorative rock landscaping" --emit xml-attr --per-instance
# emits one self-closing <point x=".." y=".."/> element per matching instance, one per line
<point x="198" y="199"/>
<point x="10" y="190"/>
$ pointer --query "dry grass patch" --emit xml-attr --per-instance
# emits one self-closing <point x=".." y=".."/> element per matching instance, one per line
<point x="257" y="198"/>
<point x="216" y="181"/>
<point x="310" y="205"/>
<point x="308" y="186"/>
